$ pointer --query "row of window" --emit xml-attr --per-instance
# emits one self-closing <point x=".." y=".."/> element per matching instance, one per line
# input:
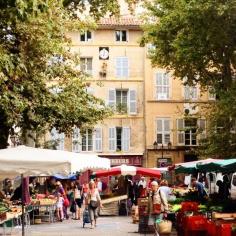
<point x="119" y="138"/>
<point x="119" y="36"/>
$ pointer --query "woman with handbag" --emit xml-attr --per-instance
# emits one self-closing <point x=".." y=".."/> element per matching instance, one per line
<point x="158" y="205"/>
<point x="93" y="201"/>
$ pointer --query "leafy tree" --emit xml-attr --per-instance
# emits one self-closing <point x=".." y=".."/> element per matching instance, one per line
<point x="196" y="39"/>
<point x="40" y="84"/>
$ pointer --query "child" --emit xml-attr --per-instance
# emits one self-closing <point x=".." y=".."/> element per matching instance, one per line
<point x="60" y="201"/>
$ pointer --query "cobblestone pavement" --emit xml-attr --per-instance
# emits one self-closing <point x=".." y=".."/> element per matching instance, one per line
<point x="107" y="226"/>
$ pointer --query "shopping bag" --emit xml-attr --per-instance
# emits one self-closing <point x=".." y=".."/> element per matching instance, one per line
<point x="164" y="227"/>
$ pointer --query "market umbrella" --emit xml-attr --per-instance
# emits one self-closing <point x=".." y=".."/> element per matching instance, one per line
<point x="217" y="165"/>
<point x="129" y="170"/>
<point x="45" y="162"/>
<point x="190" y="167"/>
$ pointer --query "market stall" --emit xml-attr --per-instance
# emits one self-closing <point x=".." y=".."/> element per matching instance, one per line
<point x="26" y="161"/>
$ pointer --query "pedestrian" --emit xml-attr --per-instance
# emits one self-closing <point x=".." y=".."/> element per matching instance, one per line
<point x="142" y="187"/>
<point x="59" y="207"/>
<point x="158" y="204"/>
<point x="78" y="199"/>
<point x="165" y="188"/>
<point x="226" y="187"/>
<point x="199" y="188"/>
<point x="93" y="202"/>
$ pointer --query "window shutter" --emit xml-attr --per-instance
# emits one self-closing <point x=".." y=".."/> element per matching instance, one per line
<point x="132" y="102"/>
<point x="125" y="66"/>
<point x="118" y="67"/>
<point x="98" y="140"/>
<point x="159" y="131"/>
<point x="112" y="139"/>
<point x="202" y="128"/>
<point x="186" y="92"/>
<point x="76" y="140"/>
<point x="194" y="92"/>
<point x="112" y="98"/>
<point x="125" y="139"/>
<point x="59" y="138"/>
<point x="180" y="132"/>
<point x="89" y="65"/>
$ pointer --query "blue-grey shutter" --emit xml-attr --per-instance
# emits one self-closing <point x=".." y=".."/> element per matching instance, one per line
<point x="132" y="102"/>
<point x="112" y="139"/>
<point x="125" y="139"/>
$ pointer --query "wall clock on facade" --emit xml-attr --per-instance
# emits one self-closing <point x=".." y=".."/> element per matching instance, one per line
<point x="104" y="53"/>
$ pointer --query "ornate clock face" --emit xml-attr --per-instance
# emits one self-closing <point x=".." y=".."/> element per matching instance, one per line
<point x="104" y="53"/>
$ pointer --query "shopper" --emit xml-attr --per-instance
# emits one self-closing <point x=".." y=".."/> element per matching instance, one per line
<point x="158" y="204"/>
<point x="78" y="199"/>
<point x="199" y="188"/>
<point x="165" y="188"/>
<point x="59" y="205"/>
<point x="93" y="201"/>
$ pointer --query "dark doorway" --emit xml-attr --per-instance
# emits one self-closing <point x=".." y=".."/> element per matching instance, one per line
<point x="190" y="157"/>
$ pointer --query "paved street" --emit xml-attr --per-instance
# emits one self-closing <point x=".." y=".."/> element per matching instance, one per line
<point x="107" y="226"/>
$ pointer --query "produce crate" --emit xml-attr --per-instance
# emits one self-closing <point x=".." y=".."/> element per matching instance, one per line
<point x="195" y="225"/>
<point x="189" y="206"/>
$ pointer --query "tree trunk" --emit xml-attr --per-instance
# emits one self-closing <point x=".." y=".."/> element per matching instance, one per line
<point x="28" y="138"/>
<point x="4" y="130"/>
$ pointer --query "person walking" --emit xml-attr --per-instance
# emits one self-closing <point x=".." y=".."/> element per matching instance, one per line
<point x="59" y="207"/>
<point x="78" y="199"/>
<point x="93" y="202"/>
<point x="158" y="204"/>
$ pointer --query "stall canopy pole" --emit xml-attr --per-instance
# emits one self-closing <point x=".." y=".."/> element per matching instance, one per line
<point x="22" y="205"/>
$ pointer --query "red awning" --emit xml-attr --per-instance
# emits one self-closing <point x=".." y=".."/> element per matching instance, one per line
<point x="129" y="170"/>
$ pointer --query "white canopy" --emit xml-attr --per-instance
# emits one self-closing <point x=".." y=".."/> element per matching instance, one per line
<point x="46" y="162"/>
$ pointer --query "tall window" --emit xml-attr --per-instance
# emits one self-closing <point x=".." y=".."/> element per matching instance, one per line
<point x="163" y="130"/>
<point x="122" y="67"/>
<point x="188" y="129"/>
<point x="89" y="140"/>
<point x="59" y="138"/>
<point x="123" y="100"/>
<point x="190" y="92"/>
<point x="86" y="64"/>
<point x="211" y="94"/>
<point x="119" y="139"/>
<point x="86" y="36"/>
<point x="121" y="35"/>
<point x="162" y="86"/>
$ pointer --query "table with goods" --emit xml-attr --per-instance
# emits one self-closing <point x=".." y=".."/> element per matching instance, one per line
<point x="11" y="215"/>
<point x="43" y="210"/>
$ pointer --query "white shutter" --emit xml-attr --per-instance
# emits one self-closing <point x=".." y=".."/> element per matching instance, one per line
<point x="122" y="67"/>
<point x="98" y="140"/>
<point x="112" y="98"/>
<point x="132" y="102"/>
<point x="202" y="128"/>
<point x="112" y="139"/>
<point x="180" y="132"/>
<point x="125" y="139"/>
<point x="186" y="92"/>
<point x="76" y="140"/>
<point x="119" y="67"/>
<point x="125" y="67"/>
<point x="159" y="131"/>
<point x="59" y="138"/>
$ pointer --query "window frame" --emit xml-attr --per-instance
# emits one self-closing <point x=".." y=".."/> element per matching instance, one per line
<point x="86" y="39"/>
<point x="120" y="38"/>
<point x="89" y="72"/>
<point x="86" y="135"/>
<point x="162" y="86"/>
<point x="163" y="132"/>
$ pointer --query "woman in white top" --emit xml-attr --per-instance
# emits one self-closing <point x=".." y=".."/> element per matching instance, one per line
<point x="93" y="201"/>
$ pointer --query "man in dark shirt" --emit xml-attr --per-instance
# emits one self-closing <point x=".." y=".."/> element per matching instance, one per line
<point x="199" y="188"/>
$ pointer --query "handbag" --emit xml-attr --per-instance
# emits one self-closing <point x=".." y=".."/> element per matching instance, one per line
<point x="164" y="227"/>
<point x="66" y="202"/>
<point x="93" y="204"/>
<point x="73" y="207"/>
<point x="156" y="209"/>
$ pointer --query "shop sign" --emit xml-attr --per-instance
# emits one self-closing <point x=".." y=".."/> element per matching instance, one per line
<point x="119" y="161"/>
<point x="164" y="162"/>
<point x="126" y="160"/>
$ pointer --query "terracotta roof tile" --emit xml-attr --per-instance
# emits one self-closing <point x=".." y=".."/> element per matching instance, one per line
<point x="124" y="21"/>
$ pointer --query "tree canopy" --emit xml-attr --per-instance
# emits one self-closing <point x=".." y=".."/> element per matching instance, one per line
<point x="41" y="85"/>
<point x="196" y="40"/>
